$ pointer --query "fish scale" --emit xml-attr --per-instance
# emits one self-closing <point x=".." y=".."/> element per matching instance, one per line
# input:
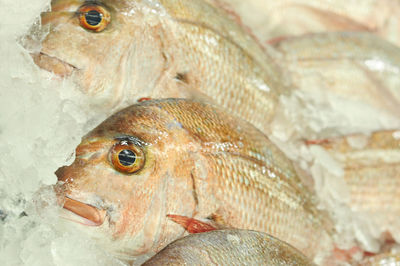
<point x="292" y="200"/>
<point x="272" y="208"/>
<point x="233" y="91"/>
<point x="229" y="247"/>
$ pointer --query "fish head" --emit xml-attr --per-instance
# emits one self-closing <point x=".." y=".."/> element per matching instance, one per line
<point x="130" y="173"/>
<point x="112" y="50"/>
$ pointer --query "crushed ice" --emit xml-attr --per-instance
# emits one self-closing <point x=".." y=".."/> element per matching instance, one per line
<point x="41" y="122"/>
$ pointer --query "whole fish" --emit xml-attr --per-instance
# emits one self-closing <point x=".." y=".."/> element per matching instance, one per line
<point x="120" y="51"/>
<point x="229" y="247"/>
<point x="179" y="158"/>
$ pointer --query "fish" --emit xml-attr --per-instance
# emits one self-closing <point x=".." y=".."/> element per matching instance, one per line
<point x="375" y="62"/>
<point x="157" y="160"/>
<point x="385" y="259"/>
<point x="229" y="247"/>
<point x="119" y="51"/>
<point x="271" y="20"/>
<point x="371" y="165"/>
<point x="352" y="116"/>
<point x="349" y="86"/>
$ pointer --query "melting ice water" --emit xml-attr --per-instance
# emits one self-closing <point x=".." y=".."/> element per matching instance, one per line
<point x="41" y="122"/>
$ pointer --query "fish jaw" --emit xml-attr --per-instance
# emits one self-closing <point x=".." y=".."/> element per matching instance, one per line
<point x="52" y="64"/>
<point x="94" y="216"/>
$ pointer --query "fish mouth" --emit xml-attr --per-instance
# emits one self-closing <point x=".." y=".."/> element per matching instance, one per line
<point x="53" y="64"/>
<point x="88" y="214"/>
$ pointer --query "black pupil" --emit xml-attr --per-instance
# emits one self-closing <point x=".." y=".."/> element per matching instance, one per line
<point x="93" y="18"/>
<point x="127" y="157"/>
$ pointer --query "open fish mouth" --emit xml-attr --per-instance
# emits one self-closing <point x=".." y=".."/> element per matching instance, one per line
<point x="85" y="214"/>
<point x="53" y="64"/>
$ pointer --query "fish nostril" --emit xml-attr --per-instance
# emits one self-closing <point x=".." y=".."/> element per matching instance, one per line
<point x="60" y="173"/>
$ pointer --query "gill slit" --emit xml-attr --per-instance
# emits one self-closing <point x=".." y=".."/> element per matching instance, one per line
<point x="163" y="209"/>
<point x="195" y="196"/>
<point x="165" y="73"/>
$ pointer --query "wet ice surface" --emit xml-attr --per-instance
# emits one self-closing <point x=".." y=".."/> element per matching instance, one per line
<point x="41" y="122"/>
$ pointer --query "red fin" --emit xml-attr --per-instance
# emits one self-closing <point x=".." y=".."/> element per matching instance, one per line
<point x="191" y="225"/>
<point x="369" y="254"/>
<point x="347" y="255"/>
<point x="144" y="99"/>
<point x="317" y="141"/>
<point x="276" y="40"/>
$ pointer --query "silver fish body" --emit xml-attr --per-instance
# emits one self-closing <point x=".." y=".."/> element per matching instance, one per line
<point x="229" y="247"/>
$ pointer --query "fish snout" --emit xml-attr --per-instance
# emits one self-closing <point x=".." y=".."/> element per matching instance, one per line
<point x="60" y="187"/>
<point x="85" y="213"/>
<point x="61" y="174"/>
<point x="68" y="174"/>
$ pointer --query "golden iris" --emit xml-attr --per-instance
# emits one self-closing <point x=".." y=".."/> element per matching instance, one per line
<point x="94" y="17"/>
<point x="127" y="157"/>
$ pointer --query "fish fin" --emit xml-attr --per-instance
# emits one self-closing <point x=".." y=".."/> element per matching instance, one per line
<point x="346" y="255"/>
<point x="193" y="226"/>
<point x="276" y="40"/>
<point x="317" y="141"/>
<point x="143" y="99"/>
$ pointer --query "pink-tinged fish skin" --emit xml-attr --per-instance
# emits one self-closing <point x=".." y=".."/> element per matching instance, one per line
<point x="186" y="49"/>
<point x="199" y="162"/>
<point x="272" y="19"/>
<point x="229" y="247"/>
<point x="356" y="67"/>
<point x="372" y="175"/>
<point x="385" y="259"/>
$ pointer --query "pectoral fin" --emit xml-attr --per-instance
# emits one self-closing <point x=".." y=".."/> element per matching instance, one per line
<point x="193" y="226"/>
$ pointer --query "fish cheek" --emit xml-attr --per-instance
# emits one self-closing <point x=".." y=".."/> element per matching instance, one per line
<point x="141" y="208"/>
<point x="153" y="195"/>
<point x="67" y="41"/>
<point x="64" y="42"/>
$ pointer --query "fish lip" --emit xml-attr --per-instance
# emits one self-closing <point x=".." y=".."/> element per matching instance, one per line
<point x="91" y="214"/>
<point x="53" y="64"/>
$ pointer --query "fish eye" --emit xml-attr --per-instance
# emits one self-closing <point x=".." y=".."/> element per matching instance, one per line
<point x="94" y="17"/>
<point x="127" y="157"/>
